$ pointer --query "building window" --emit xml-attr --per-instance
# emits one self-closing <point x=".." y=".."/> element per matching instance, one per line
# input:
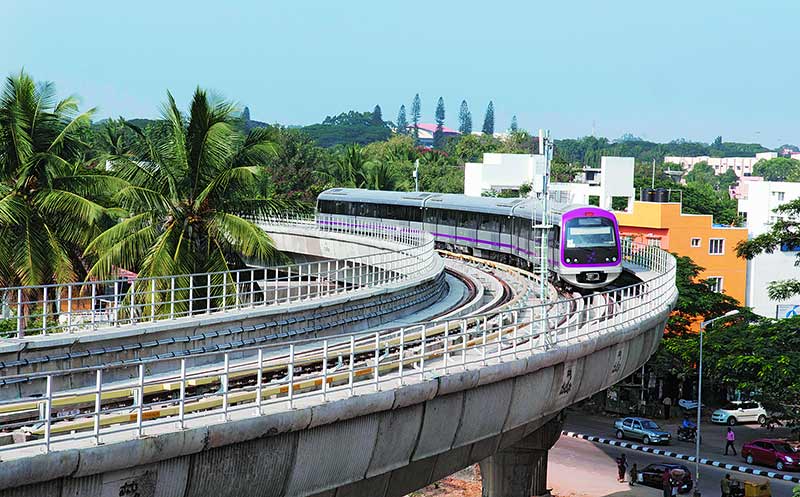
<point x="695" y="242"/>
<point x="715" y="282"/>
<point x="716" y="246"/>
<point x="778" y="196"/>
<point x="654" y="242"/>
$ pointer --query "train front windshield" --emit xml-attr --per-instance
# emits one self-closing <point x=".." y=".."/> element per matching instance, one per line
<point x="585" y="232"/>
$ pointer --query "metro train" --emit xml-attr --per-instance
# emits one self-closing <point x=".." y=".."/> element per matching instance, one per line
<point x="583" y="242"/>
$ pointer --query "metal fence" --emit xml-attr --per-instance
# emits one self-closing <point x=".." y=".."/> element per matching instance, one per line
<point x="91" y="305"/>
<point x="251" y="381"/>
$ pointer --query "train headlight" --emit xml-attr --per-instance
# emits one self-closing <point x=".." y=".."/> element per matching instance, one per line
<point x="614" y="259"/>
<point x="606" y="259"/>
<point x="567" y="259"/>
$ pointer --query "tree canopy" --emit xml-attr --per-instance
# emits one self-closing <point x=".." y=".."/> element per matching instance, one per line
<point x="778" y="169"/>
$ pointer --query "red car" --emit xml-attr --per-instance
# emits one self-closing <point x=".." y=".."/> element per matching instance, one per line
<point x="769" y="452"/>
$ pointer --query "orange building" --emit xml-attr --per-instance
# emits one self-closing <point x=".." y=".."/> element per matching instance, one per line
<point x="710" y="246"/>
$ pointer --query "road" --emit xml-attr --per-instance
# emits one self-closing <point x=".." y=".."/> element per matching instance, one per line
<point x="578" y="468"/>
<point x="713" y="435"/>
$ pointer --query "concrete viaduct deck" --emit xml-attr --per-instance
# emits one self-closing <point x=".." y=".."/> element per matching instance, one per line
<point x="364" y="414"/>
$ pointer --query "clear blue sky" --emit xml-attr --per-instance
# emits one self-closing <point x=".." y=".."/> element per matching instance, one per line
<point x="660" y="70"/>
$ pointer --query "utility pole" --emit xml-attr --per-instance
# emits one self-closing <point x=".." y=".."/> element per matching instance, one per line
<point x="546" y="149"/>
<point x="653" y="178"/>
<point x="416" y="175"/>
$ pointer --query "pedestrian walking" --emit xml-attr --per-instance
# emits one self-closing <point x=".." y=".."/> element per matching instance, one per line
<point x="666" y="483"/>
<point x="725" y="485"/>
<point x="634" y="475"/>
<point x="667" y="406"/>
<point x="731" y="438"/>
<point x="622" y="465"/>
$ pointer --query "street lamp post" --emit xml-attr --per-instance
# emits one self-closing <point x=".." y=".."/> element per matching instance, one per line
<point x="700" y="400"/>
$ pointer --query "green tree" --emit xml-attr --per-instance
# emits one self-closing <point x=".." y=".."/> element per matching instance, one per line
<point x="784" y="232"/>
<point x="189" y="193"/>
<point x="438" y="134"/>
<point x="561" y="171"/>
<point x="778" y="169"/>
<point x="402" y="122"/>
<point x="377" y="116"/>
<point x="245" y="114"/>
<point x="464" y="119"/>
<point x="292" y="171"/>
<point x="514" y="126"/>
<point x="50" y="205"/>
<point x="702" y="173"/>
<point x="416" y="112"/>
<point x="349" y="169"/>
<point x="488" y="120"/>
<point x="382" y="175"/>
<point x="471" y="148"/>
<point x="518" y="142"/>
<point x="113" y="137"/>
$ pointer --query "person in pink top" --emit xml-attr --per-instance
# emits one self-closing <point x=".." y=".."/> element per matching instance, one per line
<point x="731" y="437"/>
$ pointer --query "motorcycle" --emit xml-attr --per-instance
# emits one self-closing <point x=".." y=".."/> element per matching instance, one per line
<point x="687" y="434"/>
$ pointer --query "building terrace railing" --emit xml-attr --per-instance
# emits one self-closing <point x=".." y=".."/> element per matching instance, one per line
<point x="90" y="305"/>
<point x="208" y="388"/>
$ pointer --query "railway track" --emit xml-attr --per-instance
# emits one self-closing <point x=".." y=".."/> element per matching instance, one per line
<point x="340" y="361"/>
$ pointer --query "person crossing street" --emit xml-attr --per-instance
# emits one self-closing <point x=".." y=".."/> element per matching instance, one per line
<point x="730" y="438"/>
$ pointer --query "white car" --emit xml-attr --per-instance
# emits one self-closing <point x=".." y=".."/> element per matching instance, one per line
<point x="740" y="412"/>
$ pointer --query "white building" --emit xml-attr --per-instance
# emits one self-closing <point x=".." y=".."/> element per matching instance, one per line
<point x="758" y="206"/>
<point x="742" y="166"/>
<point x="499" y="172"/>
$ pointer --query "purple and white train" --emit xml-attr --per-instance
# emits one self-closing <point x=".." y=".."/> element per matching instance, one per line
<point x="583" y="244"/>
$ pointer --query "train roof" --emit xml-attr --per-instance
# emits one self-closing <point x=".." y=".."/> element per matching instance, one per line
<point x="524" y="207"/>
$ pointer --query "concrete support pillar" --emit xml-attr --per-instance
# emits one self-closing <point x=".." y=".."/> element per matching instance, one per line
<point x="521" y="469"/>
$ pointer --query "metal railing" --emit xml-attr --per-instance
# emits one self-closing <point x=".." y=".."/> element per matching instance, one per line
<point x="251" y="381"/>
<point x="91" y="305"/>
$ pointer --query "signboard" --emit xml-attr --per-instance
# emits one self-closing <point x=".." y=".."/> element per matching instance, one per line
<point x="784" y="311"/>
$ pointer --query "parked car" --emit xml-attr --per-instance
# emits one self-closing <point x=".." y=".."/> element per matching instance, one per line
<point x="642" y="429"/>
<point x="652" y="475"/>
<point x="739" y="412"/>
<point x="770" y="452"/>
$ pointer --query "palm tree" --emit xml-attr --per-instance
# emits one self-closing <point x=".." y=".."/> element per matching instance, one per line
<point x="192" y="185"/>
<point x="349" y="169"/>
<point x="382" y="175"/>
<point x="48" y="208"/>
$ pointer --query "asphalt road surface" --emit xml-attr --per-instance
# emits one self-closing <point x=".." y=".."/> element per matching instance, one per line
<point x="584" y="469"/>
<point x="713" y="435"/>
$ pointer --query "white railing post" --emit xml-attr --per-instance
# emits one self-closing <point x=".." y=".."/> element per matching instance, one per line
<point x="172" y="297"/>
<point x="290" y="366"/>
<point x="153" y="299"/>
<point x="44" y="310"/>
<point x="324" y="371"/>
<point x="116" y="302"/>
<point x="191" y="294"/>
<point x="259" y="381"/>
<point x="140" y="408"/>
<point x="351" y="373"/>
<point x="94" y="304"/>
<point x="182" y="400"/>
<point x="48" y="419"/>
<point x="20" y="317"/>
<point x="208" y="293"/>
<point x="69" y="307"/>
<point x="423" y="334"/>
<point x="400" y="356"/>
<point x="224" y="385"/>
<point x="97" y="404"/>
<point x="377" y="360"/>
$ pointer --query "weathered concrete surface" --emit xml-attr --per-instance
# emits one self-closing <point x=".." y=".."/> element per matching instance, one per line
<point x="376" y="445"/>
<point x="236" y="329"/>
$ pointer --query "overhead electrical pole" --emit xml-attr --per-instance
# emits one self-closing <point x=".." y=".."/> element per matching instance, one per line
<point x="541" y="187"/>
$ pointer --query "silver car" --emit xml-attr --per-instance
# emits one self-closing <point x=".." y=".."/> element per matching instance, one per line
<point x="642" y="429"/>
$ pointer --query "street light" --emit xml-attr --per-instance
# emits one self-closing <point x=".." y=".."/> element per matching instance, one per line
<point x="700" y="399"/>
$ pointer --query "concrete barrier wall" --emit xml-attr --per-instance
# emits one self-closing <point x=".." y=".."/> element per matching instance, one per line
<point x="377" y="445"/>
<point x="246" y="328"/>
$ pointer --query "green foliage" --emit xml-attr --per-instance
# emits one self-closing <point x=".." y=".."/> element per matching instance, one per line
<point x="778" y="169"/>
<point x="416" y="112"/>
<point x="464" y="119"/>
<point x="488" y="120"/>
<point x="784" y="231"/>
<point x="291" y="172"/>
<point x="588" y="150"/>
<point x="402" y="122"/>
<point x="561" y="171"/>
<point x="695" y="298"/>
<point x="470" y="148"/>
<point x="701" y="198"/>
<point x="702" y="173"/>
<point x="439" y="133"/>
<point x="349" y="127"/>
<point x="377" y="116"/>
<point x="518" y="142"/>
<point x="189" y="191"/>
<point x="50" y="204"/>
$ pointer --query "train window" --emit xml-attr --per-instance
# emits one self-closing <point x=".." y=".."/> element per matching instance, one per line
<point x="414" y="213"/>
<point x="590" y="232"/>
<point x="490" y="222"/>
<point x="325" y="206"/>
<point x="470" y="220"/>
<point x="448" y="217"/>
<point x="431" y="216"/>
